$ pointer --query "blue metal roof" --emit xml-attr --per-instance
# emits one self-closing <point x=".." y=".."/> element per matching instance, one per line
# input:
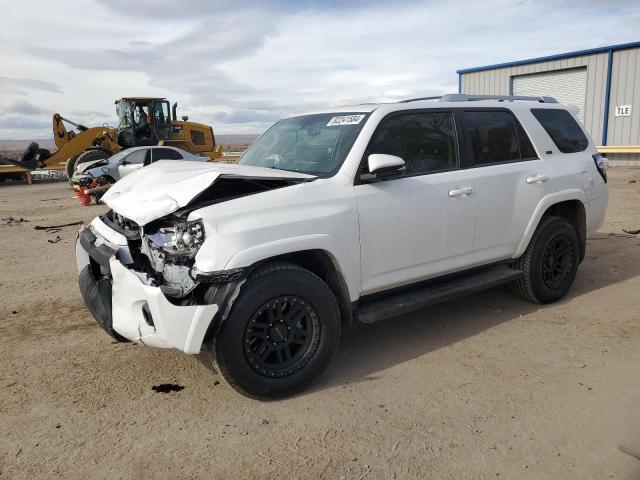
<point x="560" y="56"/>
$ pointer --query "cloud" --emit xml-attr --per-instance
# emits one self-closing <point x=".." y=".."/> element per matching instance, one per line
<point x="243" y="64"/>
<point x="248" y="116"/>
<point x="23" y="107"/>
<point x="23" y="123"/>
<point x="22" y="86"/>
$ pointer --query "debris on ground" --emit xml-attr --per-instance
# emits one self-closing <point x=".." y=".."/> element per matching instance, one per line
<point x="167" y="388"/>
<point x="55" y="240"/>
<point x="12" y="220"/>
<point x="631" y="232"/>
<point x="51" y="227"/>
<point x="629" y="452"/>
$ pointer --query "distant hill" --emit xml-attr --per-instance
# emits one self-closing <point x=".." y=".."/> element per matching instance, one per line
<point x="230" y="142"/>
<point x="22" y="144"/>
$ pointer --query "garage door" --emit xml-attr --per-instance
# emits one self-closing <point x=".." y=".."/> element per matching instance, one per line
<point x="567" y="86"/>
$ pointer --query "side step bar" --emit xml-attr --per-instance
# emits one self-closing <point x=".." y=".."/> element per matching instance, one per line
<point x="416" y="299"/>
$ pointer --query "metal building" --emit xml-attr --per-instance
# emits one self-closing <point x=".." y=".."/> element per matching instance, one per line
<point x="604" y="83"/>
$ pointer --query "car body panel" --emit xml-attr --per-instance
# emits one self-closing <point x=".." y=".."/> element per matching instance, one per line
<point x="167" y="185"/>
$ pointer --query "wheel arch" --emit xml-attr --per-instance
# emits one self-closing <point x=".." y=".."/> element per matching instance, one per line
<point x="570" y="206"/>
<point x="323" y="264"/>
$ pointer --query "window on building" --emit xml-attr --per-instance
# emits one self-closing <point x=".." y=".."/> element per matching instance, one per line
<point x="426" y="141"/>
<point x="562" y="128"/>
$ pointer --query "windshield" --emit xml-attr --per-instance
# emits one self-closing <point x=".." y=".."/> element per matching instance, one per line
<point x="123" y="109"/>
<point x="314" y="144"/>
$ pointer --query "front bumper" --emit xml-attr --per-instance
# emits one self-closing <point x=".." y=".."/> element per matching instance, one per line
<point x="125" y="303"/>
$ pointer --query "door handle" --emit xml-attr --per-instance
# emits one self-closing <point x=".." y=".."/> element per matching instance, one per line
<point x="461" y="192"/>
<point x="537" y="178"/>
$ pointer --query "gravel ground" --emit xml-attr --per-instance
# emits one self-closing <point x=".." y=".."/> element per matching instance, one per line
<point x="487" y="386"/>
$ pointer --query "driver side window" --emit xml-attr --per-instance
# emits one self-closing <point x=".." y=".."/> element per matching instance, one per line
<point x="137" y="157"/>
<point x="426" y="141"/>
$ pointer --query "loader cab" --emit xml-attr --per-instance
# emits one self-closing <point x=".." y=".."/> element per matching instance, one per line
<point x="143" y="121"/>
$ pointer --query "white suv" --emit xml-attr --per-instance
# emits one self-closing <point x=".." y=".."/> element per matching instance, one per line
<point x="362" y="212"/>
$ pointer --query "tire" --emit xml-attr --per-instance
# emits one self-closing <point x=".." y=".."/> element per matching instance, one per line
<point x="550" y="262"/>
<point x="29" y="152"/>
<point x="86" y="156"/>
<point x="70" y="168"/>
<point x="279" y="305"/>
<point x="28" y="157"/>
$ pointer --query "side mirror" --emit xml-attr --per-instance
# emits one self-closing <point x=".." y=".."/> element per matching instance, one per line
<point x="383" y="167"/>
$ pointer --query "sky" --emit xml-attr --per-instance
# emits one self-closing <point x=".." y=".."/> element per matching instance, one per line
<point x="241" y="65"/>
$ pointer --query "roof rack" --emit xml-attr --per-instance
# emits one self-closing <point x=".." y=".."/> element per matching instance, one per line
<point x="420" y="98"/>
<point x="462" y="97"/>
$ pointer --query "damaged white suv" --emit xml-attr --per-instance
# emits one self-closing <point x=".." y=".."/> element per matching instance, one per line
<point x="363" y="212"/>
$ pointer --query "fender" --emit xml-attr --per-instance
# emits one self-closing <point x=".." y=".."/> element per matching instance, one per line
<point x="545" y="203"/>
<point x="343" y="263"/>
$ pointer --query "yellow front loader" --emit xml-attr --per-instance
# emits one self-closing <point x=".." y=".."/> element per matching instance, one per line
<point x="141" y="121"/>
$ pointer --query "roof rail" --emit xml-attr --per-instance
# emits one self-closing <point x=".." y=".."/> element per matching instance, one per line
<point x="463" y="97"/>
<point x="409" y="100"/>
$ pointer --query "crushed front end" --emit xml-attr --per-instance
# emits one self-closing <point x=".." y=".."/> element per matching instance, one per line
<point x="141" y="283"/>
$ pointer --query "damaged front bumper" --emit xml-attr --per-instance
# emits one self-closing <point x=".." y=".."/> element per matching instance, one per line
<point x="126" y="304"/>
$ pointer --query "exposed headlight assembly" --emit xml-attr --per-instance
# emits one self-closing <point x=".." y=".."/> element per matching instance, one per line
<point x="179" y="239"/>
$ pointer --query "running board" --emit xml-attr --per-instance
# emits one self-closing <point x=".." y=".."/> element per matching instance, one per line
<point x="416" y="299"/>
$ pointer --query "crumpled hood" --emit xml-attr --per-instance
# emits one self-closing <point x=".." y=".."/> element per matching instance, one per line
<point x="165" y="186"/>
<point x="83" y="167"/>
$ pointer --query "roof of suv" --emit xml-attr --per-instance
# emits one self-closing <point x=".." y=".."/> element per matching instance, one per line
<point x="452" y="101"/>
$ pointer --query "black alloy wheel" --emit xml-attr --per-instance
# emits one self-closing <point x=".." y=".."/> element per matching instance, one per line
<point x="281" y="336"/>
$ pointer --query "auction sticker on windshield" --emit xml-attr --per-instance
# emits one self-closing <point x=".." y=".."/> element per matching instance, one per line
<point x="345" y="120"/>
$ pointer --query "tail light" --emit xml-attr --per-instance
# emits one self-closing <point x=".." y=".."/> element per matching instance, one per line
<point x="601" y="165"/>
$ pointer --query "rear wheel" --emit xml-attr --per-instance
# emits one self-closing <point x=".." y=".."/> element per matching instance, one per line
<point x="281" y="334"/>
<point x="550" y="262"/>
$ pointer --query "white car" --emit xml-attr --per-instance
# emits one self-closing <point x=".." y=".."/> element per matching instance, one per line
<point x="353" y="213"/>
<point x="95" y="177"/>
<point x="132" y="159"/>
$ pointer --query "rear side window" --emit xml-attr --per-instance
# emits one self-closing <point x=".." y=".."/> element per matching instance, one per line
<point x="563" y="129"/>
<point x="492" y="137"/>
<point x="426" y="141"/>
<point x="527" y="152"/>
<point x="165" y="154"/>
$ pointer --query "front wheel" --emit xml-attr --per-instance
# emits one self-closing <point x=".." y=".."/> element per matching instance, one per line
<point x="281" y="334"/>
<point x="550" y="262"/>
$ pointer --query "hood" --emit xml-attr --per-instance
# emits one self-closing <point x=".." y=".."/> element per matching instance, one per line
<point x="165" y="186"/>
<point x="83" y="167"/>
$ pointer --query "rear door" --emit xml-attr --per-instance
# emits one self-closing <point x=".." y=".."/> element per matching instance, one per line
<point x="510" y="179"/>
<point x="422" y="224"/>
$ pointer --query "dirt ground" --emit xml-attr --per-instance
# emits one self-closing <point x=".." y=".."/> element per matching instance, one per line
<point x="483" y="387"/>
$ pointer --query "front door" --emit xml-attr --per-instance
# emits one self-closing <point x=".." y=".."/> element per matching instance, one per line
<point x="422" y="224"/>
<point x="134" y="161"/>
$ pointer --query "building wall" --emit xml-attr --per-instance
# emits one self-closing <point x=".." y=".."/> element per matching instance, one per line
<point x="625" y="90"/>
<point x="498" y="82"/>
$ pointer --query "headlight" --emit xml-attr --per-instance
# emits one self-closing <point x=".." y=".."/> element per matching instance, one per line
<point x="179" y="239"/>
